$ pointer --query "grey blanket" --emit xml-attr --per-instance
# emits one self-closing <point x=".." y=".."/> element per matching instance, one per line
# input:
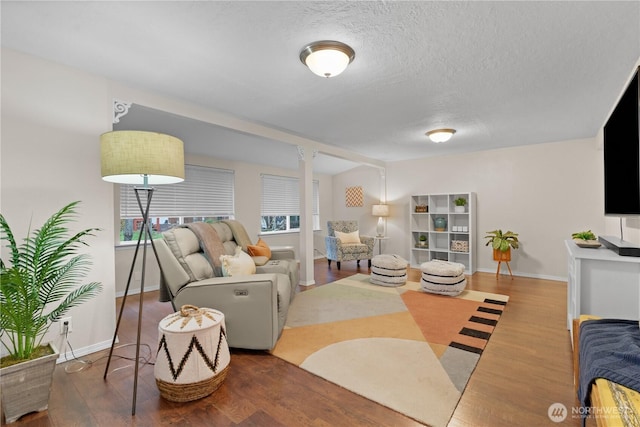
<point x="609" y="349"/>
<point x="210" y="244"/>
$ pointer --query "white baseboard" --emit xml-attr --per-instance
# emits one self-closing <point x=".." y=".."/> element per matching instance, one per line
<point x="533" y="276"/>
<point x="136" y="291"/>
<point x="83" y="351"/>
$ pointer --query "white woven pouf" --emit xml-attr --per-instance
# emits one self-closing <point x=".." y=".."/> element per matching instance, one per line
<point x="193" y="354"/>
<point x="388" y="270"/>
<point x="443" y="277"/>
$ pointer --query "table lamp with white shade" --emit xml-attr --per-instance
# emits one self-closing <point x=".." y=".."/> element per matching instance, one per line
<point x="381" y="211"/>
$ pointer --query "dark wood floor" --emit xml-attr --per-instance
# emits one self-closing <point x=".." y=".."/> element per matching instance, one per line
<point x="525" y="368"/>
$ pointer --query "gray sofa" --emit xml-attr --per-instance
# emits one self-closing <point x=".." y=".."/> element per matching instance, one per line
<point x="255" y="306"/>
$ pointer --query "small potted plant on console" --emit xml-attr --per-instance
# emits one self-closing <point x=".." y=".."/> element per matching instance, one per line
<point x="585" y="239"/>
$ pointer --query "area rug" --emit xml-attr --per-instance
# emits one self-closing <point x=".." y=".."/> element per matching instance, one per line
<point x="411" y="351"/>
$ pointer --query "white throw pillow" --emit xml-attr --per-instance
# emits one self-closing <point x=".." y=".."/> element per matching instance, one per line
<point x="353" y="237"/>
<point x="239" y="264"/>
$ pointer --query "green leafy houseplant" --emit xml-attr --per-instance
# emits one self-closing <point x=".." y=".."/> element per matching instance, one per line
<point x="502" y="241"/>
<point x="460" y="201"/>
<point x="584" y="235"/>
<point x="41" y="283"/>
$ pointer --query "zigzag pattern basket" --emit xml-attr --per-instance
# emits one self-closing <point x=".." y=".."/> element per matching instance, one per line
<point x="193" y="356"/>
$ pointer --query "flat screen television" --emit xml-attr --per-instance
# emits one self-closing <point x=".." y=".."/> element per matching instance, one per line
<point x="622" y="154"/>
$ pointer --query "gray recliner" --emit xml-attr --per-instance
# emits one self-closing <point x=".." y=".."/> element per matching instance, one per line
<point x="255" y="306"/>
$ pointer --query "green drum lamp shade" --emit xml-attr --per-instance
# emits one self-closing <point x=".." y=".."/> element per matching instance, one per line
<point x="137" y="157"/>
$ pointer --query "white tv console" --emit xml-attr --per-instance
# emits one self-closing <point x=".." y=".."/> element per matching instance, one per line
<point x="602" y="283"/>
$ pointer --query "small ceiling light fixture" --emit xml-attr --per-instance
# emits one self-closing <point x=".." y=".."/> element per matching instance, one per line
<point x="440" y="135"/>
<point x="327" y="58"/>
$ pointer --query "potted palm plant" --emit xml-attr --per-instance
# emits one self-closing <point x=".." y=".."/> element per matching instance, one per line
<point x="38" y="286"/>
<point x="502" y="244"/>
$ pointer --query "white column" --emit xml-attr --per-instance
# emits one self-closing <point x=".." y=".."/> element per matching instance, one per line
<point x="383" y="186"/>
<point x="305" y="169"/>
<point x="383" y="199"/>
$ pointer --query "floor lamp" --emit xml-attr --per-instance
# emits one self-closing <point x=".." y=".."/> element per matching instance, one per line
<point x="140" y="158"/>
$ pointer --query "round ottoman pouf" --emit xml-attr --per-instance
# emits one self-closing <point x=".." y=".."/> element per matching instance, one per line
<point x="388" y="270"/>
<point x="443" y="277"/>
<point x="193" y="354"/>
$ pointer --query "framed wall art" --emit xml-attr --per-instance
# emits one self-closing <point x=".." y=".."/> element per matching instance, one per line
<point x="354" y="197"/>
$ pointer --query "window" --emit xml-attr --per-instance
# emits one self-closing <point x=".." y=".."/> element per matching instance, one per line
<point x="280" y="209"/>
<point x="206" y="194"/>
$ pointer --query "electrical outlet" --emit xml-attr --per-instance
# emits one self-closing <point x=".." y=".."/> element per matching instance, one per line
<point x="69" y="325"/>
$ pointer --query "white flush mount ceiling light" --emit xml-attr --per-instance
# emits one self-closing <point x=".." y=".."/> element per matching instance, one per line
<point x="440" y="135"/>
<point x="327" y="58"/>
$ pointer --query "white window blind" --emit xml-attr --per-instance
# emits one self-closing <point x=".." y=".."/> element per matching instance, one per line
<point x="281" y="196"/>
<point x="204" y="192"/>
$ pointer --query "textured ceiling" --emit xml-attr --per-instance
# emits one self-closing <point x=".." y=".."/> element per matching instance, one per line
<point x="501" y="73"/>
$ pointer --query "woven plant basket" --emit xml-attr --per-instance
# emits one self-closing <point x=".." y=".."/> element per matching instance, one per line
<point x="194" y="391"/>
<point x="193" y="355"/>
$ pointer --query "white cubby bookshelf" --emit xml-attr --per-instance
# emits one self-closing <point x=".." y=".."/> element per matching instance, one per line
<point x="460" y="228"/>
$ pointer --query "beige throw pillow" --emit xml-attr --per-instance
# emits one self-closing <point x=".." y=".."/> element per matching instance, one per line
<point x="353" y="237"/>
<point x="239" y="264"/>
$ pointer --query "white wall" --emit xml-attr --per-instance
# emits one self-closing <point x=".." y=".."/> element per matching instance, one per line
<point x="52" y="117"/>
<point x="370" y="179"/>
<point x="544" y="192"/>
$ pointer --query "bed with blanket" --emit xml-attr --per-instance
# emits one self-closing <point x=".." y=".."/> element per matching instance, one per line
<point x="607" y="370"/>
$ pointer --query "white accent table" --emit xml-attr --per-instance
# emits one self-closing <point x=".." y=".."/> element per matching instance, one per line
<point x="379" y="239"/>
<point x="602" y="283"/>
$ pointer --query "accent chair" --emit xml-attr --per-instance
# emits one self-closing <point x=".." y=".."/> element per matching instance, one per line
<point x="344" y="243"/>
